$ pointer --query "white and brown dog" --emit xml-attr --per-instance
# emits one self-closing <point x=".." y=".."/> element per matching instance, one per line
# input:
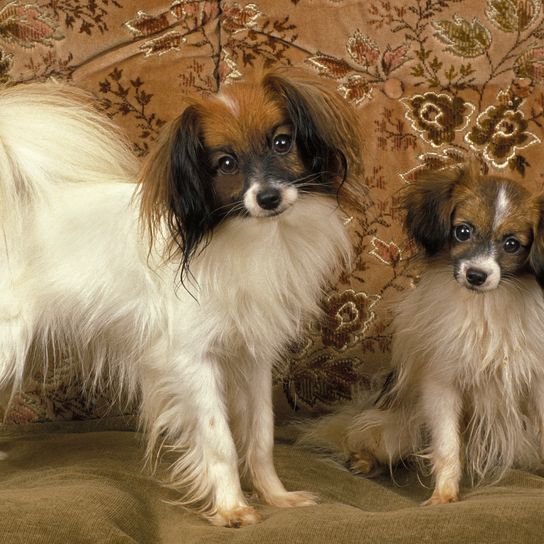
<point x="468" y="349"/>
<point x="240" y="201"/>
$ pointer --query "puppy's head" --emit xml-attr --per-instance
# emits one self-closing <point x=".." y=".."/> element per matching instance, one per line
<point x="253" y="150"/>
<point x="489" y="228"/>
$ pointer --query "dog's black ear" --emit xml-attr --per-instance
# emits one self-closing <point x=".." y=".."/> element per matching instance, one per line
<point x="536" y="256"/>
<point x="176" y="188"/>
<point x="429" y="207"/>
<point x="327" y="129"/>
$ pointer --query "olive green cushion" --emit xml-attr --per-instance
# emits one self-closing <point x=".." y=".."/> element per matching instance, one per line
<point x="83" y="482"/>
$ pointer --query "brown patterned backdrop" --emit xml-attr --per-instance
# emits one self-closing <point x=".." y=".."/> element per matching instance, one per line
<point x="432" y="80"/>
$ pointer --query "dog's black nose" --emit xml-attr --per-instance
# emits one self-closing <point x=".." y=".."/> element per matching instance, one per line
<point x="476" y="277"/>
<point x="269" y="198"/>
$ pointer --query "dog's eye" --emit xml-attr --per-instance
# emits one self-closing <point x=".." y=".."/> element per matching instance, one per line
<point x="282" y="143"/>
<point x="227" y="165"/>
<point x="462" y="232"/>
<point x="511" y="244"/>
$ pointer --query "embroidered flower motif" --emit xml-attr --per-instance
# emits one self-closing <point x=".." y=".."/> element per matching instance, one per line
<point x="362" y="49"/>
<point x="368" y="65"/>
<point x="500" y="131"/>
<point x="347" y="317"/>
<point x="395" y="58"/>
<point x="356" y="89"/>
<point x="448" y="157"/>
<point x="321" y="378"/>
<point x="146" y="25"/>
<point x="437" y="116"/>
<point x="530" y="64"/>
<point x="228" y="71"/>
<point x="387" y="252"/>
<point x="237" y="18"/>
<point x="201" y="12"/>
<point x="170" y="41"/>
<point x="26" y="25"/>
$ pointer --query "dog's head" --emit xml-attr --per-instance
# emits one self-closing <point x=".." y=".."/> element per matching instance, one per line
<point x="490" y="228"/>
<point x="252" y="150"/>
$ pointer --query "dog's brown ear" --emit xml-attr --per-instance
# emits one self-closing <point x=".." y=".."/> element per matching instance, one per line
<point x="327" y="129"/>
<point x="429" y="206"/>
<point x="536" y="256"/>
<point x="174" y="186"/>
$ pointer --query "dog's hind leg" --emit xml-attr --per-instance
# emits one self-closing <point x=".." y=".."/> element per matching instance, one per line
<point x="378" y="437"/>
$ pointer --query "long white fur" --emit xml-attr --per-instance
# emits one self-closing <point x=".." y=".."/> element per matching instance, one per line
<point x="77" y="274"/>
<point x="485" y="351"/>
<point x="456" y="352"/>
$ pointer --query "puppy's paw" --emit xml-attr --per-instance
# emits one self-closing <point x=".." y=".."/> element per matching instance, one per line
<point x="237" y="517"/>
<point x="441" y="498"/>
<point x="291" y="499"/>
<point x="362" y="463"/>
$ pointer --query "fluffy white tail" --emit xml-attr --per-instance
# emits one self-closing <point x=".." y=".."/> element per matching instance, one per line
<point x="50" y="134"/>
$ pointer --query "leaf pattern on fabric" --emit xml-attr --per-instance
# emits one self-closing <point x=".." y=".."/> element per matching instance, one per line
<point x="530" y="64"/>
<point x="27" y="25"/>
<point x="329" y="66"/>
<point x="146" y="25"/>
<point x="463" y="38"/>
<point x="362" y="49"/>
<point x="513" y="15"/>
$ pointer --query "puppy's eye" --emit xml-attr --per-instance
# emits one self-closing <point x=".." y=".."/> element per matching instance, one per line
<point x="511" y="245"/>
<point x="282" y="143"/>
<point x="227" y="165"/>
<point x="462" y="232"/>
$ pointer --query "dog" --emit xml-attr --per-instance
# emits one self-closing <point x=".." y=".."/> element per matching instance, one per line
<point x="185" y="288"/>
<point x="467" y="387"/>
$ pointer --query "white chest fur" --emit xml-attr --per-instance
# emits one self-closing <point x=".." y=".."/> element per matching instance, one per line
<point x="489" y="347"/>
<point x="259" y="278"/>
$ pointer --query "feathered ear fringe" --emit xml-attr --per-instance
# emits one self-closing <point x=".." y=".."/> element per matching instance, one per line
<point x="328" y="131"/>
<point x="429" y="206"/>
<point x="176" y="193"/>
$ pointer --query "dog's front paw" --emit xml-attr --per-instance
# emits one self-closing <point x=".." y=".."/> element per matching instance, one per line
<point x="237" y="517"/>
<point x="290" y="499"/>
<point x="441" y="498"/>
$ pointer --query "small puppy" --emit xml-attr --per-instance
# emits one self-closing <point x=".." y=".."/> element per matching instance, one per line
<point x="239" y="203"/>
<point x="468" y="347"/>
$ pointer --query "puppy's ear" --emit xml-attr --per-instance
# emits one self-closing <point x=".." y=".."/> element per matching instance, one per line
<point x="536" y="256"/>
<point x="429" y="207"/>
<point x="327" y="130"/>
<point x="176" y="190"/>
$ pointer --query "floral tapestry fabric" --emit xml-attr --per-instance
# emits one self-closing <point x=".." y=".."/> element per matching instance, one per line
<point x="433" y="81"/>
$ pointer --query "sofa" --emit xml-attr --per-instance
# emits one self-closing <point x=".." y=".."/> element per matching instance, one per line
<point x="433" y="81"/>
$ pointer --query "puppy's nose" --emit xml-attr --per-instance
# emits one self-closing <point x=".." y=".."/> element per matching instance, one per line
<point x="476" y="277"/>
<point x="269" y="198"/>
